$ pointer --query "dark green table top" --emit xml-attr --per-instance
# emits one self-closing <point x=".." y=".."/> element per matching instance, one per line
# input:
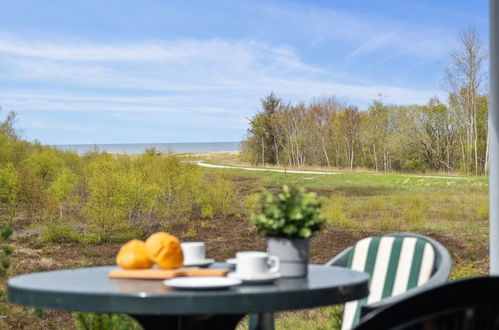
<point x="90" y="290"/>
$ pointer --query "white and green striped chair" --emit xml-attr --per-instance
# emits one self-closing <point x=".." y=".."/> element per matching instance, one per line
<point x="400" y="265"/>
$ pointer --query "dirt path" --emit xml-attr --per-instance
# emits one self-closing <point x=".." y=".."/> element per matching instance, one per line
<point x="264" y="169"/>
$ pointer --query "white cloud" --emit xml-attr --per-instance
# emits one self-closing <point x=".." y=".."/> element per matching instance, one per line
<point x="328" y="25"/>
<point x="213" y="84"/>
<point x="40" y="124"/>
<point x="83" y="52"/>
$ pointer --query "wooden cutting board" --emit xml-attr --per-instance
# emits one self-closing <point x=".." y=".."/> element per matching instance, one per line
<point x="161" y="274"/>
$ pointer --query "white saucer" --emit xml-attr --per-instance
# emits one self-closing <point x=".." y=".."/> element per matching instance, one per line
<point x="202" y="282"/>
<point x="231" y="261"/>
<point x="266" y="278"/>
<point x="199" y="263"/>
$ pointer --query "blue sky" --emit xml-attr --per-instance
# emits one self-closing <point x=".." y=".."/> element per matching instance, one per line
<point x="194" y="71"/>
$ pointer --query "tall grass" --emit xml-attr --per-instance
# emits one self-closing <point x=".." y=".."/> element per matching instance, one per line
<point x="335" y="213"/>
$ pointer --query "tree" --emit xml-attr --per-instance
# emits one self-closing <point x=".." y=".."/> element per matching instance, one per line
<point x="378" y="132"/>
<point x="322" y="113"/>
<point x="292" y="120"/>
<point x="434" y="133"/>
<point x="349" y="121"/>
<point x="264" y="130"/>
<point x="465" y="79"/>
<point x="7" y="126"/>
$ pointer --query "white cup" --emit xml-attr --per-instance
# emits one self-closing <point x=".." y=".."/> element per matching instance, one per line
<point x="254" y="264"/>
<point x="194" y="252"/>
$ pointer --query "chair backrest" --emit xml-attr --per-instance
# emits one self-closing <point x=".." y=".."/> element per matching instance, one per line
<point x="470" y="304"/>
<point x="396" y="263"/>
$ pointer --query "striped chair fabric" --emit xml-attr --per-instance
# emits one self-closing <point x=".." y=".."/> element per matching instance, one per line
<point x="396" y="264"/>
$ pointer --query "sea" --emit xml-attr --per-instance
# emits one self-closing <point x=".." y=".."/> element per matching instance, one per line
<point x="138" y="148"/>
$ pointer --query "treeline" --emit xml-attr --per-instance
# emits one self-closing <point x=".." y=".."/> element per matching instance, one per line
<point x="103" y="197"/>
<point x="432" y="137"/>
<point x="333" y="133"/>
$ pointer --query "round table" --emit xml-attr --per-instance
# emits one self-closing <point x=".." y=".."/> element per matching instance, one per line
<point x="156" y="306"/>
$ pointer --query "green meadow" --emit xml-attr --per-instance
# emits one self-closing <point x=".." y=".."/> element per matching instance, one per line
<point x="451" y="209"/>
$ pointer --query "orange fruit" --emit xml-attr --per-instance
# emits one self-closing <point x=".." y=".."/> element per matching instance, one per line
<point x="133" y="255"/>
<point x="164" y="250"/>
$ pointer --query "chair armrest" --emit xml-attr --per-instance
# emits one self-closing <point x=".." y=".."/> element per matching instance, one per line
<point x="341" y="259"/>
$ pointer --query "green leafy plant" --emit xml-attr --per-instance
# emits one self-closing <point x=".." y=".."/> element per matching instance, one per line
<point x="58" y="232"/>
<point x="94" y="321"/>
<point x="292" y="213"/>
<point x="5" y="252"/>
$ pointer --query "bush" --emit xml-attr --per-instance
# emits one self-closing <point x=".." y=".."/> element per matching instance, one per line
<point x="117" y="197"/>
<point x="126" y="197"/>
<point x="94" y="321"/>
<point x="334" y="212"/>
<point x="414" y="165"/>
<point x="482" y="210"/>
<point x="219" y="197"/>
<point x="9" y="188"/>
<point x="62" y="189"/>
<point x="178" y="186"/>
<point x="465" y="270"/>
<point x="112" y="197"/>
<point x="45" y="164"/>
<point x="386" y="224"/>
<point x="414" y="215"/>
<point x="33" y="195"/>
<point x="6" y="251"/>
<point x="250" y="203"/>
<point x="57" y="232"/>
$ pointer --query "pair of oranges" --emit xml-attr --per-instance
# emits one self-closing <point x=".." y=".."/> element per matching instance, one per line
<point x="160" y="248"/>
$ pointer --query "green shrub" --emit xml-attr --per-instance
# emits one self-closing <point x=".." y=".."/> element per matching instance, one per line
<point x="91" y="238"/>
<point x="450" y="212"/>
<point x="112" y="197"/>
<point x="207" y="210"/>
<point x="336" y="314"/>
<point x="58" y="232"/>
<point x="33" y="195"/>
<point x="250" y="203"/>
<point x="334" y="212"/>
<point x="386" y="223"/>
<point x="126" y="196"/>
<point x="62" y="188"/>
<point x="293" y="213"/>
<point x="414" y="215"/>
<point x="466" y="269"/>
<point x="45" y="164"/>
<point x="414" y="165"/>
<point x="9" y="188"/>
<point x="117" y="197"/>
<point x="94" y="321"/>
<point x="377" y="203"/>
<point x="5" y="252"/>
<point x="219" y="197"/>
<point x="482" y="210"/>
<point x="324" y="318"/>
<point x="178" y="186"/>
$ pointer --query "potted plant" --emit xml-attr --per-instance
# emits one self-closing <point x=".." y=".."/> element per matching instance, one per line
<point x="288" y="220"/>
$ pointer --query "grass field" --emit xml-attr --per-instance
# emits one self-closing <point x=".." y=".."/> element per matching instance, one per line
<point x="453" y="210"/>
